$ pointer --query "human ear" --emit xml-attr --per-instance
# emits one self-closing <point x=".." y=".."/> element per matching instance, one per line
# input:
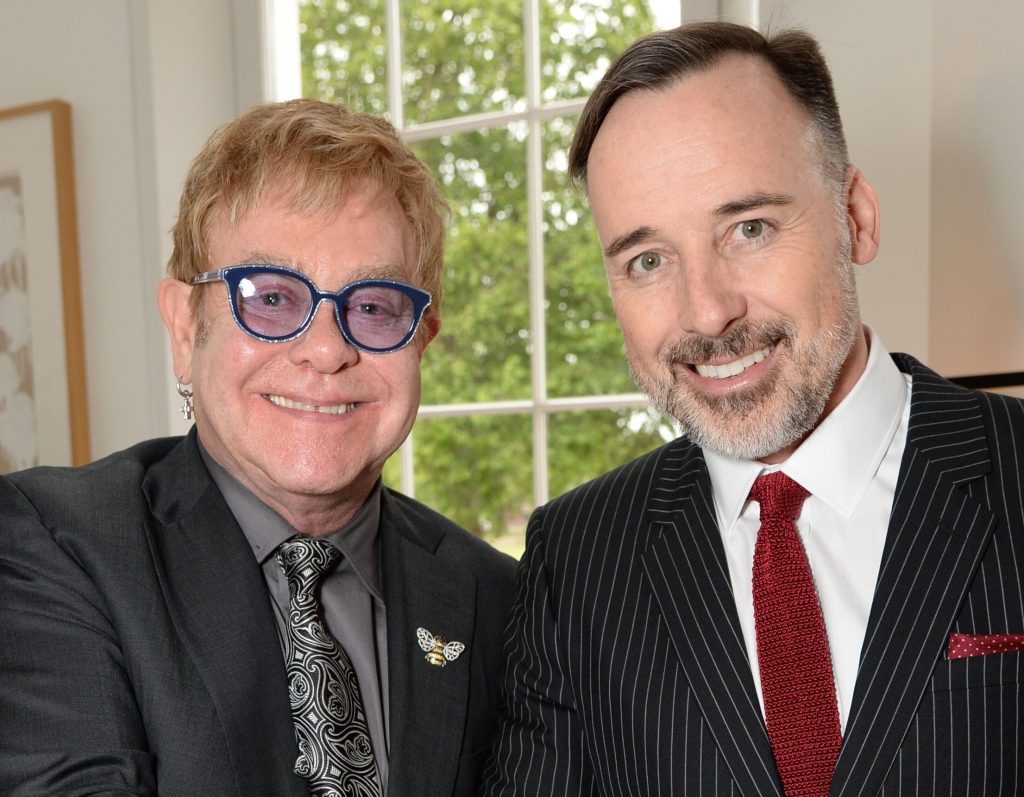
<point x="172" y="298"/>
<point x="429" y="327"/>
<point x="862" y="216"/>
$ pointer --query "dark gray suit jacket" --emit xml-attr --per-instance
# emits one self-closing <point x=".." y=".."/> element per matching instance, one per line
<point x="627" y="669"/>
<point x="139" y="654"/>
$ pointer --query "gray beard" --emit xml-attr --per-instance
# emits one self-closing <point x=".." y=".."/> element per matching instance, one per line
<point x="718" y="423"/>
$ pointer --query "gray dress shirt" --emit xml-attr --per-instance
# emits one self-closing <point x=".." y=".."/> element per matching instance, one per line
<point x="351" y="594"/>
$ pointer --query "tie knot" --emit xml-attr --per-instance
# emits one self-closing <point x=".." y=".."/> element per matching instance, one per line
<point x="305" y="561"/>
<point x="779" y="496"/>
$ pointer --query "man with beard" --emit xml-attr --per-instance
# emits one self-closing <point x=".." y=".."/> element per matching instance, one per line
<point x="818" y="588"/>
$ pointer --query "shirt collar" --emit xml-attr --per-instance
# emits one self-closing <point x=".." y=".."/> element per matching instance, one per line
<point x="265" y="529"/>
<point x="841" y="455"/>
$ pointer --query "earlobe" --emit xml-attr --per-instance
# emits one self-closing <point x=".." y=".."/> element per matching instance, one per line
<point x="862" y="216"/>
<point x="172" y="299"/>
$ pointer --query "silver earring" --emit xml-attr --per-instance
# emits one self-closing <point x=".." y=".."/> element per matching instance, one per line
<point x="186" y="404"/>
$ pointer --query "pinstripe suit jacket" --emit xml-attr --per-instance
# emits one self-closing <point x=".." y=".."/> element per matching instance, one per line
<point x="627" y="673"/>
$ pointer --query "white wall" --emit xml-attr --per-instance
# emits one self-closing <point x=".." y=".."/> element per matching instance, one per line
<point x="931" y="93"/>
<point x="82" y="53"/>
<point x="977" y="256"/>
<point x="932" y="97"/>
<point x="203" y="66"/>
<point x="880" y="54"/>
<point x="147" y="82"/>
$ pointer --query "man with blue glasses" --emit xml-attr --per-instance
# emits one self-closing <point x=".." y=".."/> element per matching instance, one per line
<point x="247" y="610"/>
<point x="277" y="304"/>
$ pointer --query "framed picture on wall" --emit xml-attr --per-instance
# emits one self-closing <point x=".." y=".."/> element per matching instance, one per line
<point x="43" y="413"/>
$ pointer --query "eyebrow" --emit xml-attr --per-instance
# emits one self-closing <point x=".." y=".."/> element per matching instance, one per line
<point x="377" y="271"/>
<point x="752" y="202"/>
<point x="638" y="236"/>
<point x="745" y="204"/>
<point x="256" y="256"/>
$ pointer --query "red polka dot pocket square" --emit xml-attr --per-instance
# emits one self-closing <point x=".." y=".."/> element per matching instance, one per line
<point x="963" y="645"/>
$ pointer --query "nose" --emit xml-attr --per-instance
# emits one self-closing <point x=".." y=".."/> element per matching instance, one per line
<point x="322" y="345"/>
<point x="710" y="299"/>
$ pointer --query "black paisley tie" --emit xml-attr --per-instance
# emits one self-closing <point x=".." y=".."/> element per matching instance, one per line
<point x="335" y="753"/>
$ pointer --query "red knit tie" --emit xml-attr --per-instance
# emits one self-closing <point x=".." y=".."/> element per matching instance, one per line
<point x="792" y="645"/>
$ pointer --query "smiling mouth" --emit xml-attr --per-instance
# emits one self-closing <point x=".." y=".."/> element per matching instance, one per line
<point x="734" y="368"/>
<point x="324" y="409"/>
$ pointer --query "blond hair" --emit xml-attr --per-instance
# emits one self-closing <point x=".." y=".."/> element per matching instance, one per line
<point x="312" y="152"/>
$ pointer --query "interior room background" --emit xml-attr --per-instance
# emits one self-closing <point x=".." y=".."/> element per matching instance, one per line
<point x="526" y="391"/>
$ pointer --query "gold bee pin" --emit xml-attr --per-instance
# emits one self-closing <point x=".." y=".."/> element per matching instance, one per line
<point x="438" y="651"/>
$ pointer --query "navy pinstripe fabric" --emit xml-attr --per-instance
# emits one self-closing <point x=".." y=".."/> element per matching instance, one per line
<point x="627" y="674"/>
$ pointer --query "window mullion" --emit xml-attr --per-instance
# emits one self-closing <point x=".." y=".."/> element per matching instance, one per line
<point x="535" y="231"/>
<point x="396" y="103"/>
<point x="396" y="106"/>
<point x="405" y="463"/>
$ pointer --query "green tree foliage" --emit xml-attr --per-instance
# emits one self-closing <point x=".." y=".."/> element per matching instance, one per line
<point x="460" y="60"/>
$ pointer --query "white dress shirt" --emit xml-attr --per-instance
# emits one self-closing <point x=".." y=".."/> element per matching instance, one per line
<point x="849" y="464"/>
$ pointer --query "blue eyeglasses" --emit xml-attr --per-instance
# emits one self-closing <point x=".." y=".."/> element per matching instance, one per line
<point x="277" y="304"/>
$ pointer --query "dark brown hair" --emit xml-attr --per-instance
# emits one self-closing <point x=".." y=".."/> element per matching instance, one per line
<point x="661" y="59"/>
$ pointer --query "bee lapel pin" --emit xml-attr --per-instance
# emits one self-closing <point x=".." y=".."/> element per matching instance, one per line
<point x="438" y="651"/>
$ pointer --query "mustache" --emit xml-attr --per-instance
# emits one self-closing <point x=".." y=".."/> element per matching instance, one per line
<point x="739" y="340"/>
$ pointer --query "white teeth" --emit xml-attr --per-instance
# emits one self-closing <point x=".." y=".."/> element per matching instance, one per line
<point x="326" y="409"/>
<point x="734" y="368"/>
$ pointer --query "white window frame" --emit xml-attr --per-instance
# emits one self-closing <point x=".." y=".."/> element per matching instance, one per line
<point x="280" y="25"/>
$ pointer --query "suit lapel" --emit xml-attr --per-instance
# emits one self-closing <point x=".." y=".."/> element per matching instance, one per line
<point x="428" y="703"/>
<point x="937" y="535"/>
<point x="214" y="590"/>
<point x="685" y="564"/>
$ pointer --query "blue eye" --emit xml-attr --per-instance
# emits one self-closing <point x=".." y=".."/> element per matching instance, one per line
<point x="645" y="262"/>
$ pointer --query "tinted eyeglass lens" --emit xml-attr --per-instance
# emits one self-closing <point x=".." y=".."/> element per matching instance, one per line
<point x="272" y="305"/>
<point x="378" y="316"/>
<point x="275" y="305"/>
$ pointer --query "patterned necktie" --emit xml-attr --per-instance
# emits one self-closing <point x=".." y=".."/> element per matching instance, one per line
<point x="335" y="752"/>
<point x="792" y="645"/>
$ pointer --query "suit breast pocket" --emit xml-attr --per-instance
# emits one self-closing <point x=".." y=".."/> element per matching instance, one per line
<point x="979" y="672"/>
<point x="968" y="732"/>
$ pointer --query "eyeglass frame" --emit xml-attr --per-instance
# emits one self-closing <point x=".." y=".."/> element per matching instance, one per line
<point x="232" y="276"/>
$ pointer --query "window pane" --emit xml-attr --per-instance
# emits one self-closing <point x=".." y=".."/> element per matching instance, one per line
<point x="463" y="61"/>
<point x="392" y="473"/>
<point x="584" y="343"/>
<point x="580" y="38"/>
<point x="482" y="352"/>
<point x="586" y="443"/>
<point x="344" y="52"/>
<point x="478" y="471"/>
